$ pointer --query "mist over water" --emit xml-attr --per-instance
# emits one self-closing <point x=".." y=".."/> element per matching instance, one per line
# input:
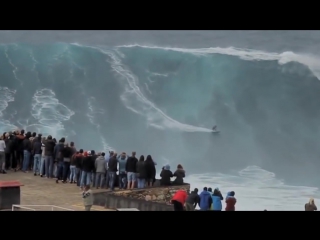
<point x="164" y="101"/>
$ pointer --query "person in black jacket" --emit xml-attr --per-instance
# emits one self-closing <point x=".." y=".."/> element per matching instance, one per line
<point x="192" y="200"/>
<point x="166" y="176"/>
<point x="19" y="148"/>
<point x="49" y="145"/>
<point x="78" y="164"/>
<point x="141" y="172"/>
<point x="32" y="138"/>
<point x="66" y="154"/>
<point x="87" y="168"/>
<point x="36" y="149"/>
<point x="93" y="175"/>
<point x="12" y="150"/>
<point x="26" y="146"/>
<point x="57" y="154"/>
<point x="150" y="171"/>
<point x="112" y="170"/>
<point x="131" y="168"/>
<point x="7" y="152"/>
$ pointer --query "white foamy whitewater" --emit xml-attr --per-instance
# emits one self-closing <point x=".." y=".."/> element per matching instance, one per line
<point x="256" y="189"/>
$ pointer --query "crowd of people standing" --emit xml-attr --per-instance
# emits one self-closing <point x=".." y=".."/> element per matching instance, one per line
<point x="46" y="157"/>
<point x="207" y="200"/>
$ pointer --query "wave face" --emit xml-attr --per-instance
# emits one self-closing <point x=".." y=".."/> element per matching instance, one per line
<point x="164" y="101"/>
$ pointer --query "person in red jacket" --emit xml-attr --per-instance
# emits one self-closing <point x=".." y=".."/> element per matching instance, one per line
<point x="231" y="201"/>
<point x="179" y="199"/>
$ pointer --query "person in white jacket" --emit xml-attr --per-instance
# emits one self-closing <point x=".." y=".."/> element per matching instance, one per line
<point x="2" y="155"/>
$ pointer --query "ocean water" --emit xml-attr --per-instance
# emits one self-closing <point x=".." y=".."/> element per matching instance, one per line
<point x="160" y="93"/>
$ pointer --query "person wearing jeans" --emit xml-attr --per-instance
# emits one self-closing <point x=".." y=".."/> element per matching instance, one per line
<point x="66" y="166"/>
<point x="27" y="147"/>
<point x="42" y="165"/>
<point x="2" y="154"/>
<point x="42" y="157"/>
<point x="59" y="170"/>
<point x="49" y="150"/>
<point x="85" y="179"/>
<point x="26" y="160"/>
<point x="122" y="159"/>
<point x="112" y="178"/>
<point x="66" y="154"/>
<point x="36" y="164"/>
<point x="112" y="169"/>
<point x="87" y="168"/>
<point x="72" y="176"/>
<point x="78" y="165"/>
<point x="36" y="149"/>
<point x="141" y="173"/>
<point x="100" y="170"/>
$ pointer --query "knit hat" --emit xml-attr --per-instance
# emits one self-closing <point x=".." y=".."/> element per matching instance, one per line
<point x="167" y="167"/>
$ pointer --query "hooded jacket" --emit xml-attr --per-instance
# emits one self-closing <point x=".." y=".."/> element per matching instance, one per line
<point x="66" y="152"/>
<point x="49" y="147"/>
<point x="166" y="176"/>
<point x="122" y="164"/>
<point x="36" y="146"/>
<point x="230" y="202"/>
<point x="78" y="160"/>
<point x="87" y="164"/>
<point x="100" y="164"/>
<point x="150" y="170"/>
<point x="141" y="169"/>
<point x="179" y="174"/>
<point x="26" y="144"/>
<point x="216" y="200"/>
<point x="131" y="164"/>
<point x="205" y="200"/>
<point x="113" y="164"/>
<point x="57" y="151"/>
<point x="19" y="139"/>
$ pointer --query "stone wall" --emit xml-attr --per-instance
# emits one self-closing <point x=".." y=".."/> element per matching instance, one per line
<point x="156" y="194"/>
<point x="149" y="199"/>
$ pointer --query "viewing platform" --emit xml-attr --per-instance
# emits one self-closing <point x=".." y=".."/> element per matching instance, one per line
<point x="41" y="194"/>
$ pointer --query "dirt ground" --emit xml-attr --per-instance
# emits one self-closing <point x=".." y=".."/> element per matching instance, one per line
<point x="42" y="191"/>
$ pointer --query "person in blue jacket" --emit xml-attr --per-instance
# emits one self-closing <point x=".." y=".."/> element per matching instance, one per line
<point x="205" y="200"/>
<point x="216" y="200"/>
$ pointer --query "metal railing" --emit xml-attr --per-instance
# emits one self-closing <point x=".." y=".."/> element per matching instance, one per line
<point x="39" y="208"/>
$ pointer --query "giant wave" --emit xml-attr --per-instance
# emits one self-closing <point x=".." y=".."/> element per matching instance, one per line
<point x="164" y="101"/>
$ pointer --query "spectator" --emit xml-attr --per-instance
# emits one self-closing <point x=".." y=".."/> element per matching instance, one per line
<point x="179" y="174"/>
<point x="141" y="172"/>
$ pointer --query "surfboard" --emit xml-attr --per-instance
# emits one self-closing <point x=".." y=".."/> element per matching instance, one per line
<point x="215" y="131"/>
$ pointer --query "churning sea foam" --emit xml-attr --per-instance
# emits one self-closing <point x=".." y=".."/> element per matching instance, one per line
<point x="49" y="113"/>
<point x="6" y="96"/>
<point x="92" y="114"/>
<point x="256" y="189"/>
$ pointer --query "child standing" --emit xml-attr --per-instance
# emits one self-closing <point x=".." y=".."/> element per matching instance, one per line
<point x="87" y="198"/>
